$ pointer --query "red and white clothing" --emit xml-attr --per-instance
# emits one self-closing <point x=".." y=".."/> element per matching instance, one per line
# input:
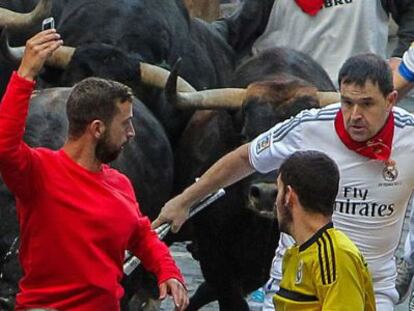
<point x="338" y="31"/>
<point x="372" y="197"/>
<point x="75" y="225"/>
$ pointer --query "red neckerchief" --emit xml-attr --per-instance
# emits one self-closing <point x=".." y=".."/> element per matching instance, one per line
<point x="377" y="148"/>
<point x="310" y="7"/>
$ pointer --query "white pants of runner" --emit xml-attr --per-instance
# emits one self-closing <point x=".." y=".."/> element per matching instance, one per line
<point x="409" y="241"/>
<point x="385" y="300"/>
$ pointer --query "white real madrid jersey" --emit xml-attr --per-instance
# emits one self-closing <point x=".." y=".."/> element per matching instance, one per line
<point x="372" y="200"/>
<point x="341" y="29"/>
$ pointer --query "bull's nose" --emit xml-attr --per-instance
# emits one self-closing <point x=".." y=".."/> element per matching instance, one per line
<point x="263" y="192"/>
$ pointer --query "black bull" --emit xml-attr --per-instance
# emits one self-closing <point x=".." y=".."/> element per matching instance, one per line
<point x="147" y="160"/>
<point x="155" y="31"/>
<point x="235" y="240"/>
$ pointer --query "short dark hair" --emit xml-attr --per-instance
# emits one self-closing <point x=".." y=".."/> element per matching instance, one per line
<point x="315" y="178"/>
<point x="362" y="67"/>
<point x="94" y="99"/>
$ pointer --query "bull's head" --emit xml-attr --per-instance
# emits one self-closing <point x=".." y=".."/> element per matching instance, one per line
<point x="68" y="65"/>
<point x="233" y="98"/>
<point x="255" y="109"/>
<point x="62" y="57"/>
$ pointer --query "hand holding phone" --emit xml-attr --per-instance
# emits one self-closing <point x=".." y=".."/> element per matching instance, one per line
<point x="38" y="49"/>
<point x="48" y="23"/>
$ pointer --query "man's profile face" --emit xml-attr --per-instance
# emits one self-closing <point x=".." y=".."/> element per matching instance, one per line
<point x="116" y="135"/>
<point x="281" y="209"/>
<point x="365" y="109"/>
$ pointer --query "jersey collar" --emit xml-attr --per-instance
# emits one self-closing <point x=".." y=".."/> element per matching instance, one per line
<point x="377" y="148"/>
<point x="315" y="237"/>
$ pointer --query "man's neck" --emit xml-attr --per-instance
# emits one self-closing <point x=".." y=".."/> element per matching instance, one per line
<point x="83" y="153"/>
<point x="307" y="226"/>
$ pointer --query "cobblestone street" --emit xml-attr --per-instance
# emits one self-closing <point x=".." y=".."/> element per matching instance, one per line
<point x="192" y="274"/>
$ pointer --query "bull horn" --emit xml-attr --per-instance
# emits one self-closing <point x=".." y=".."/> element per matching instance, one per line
<point x="157" y="76"/>
<point x="233" y="98"/>
<point x="229" y="98"/>
<point x="226" y="98"/>
<point x="9" y="54"/>
<point x="25" y="20"/>
<point x="59" y="59"/>
<point x="327" y="98"/>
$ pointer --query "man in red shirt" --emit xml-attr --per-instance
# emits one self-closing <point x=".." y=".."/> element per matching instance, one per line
<point x="77" y="215"/>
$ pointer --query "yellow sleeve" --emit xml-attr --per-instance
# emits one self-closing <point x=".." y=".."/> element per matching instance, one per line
<point x="348" y="286"/>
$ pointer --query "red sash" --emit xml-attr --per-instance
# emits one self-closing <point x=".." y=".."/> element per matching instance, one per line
<point x="378" y="147"/>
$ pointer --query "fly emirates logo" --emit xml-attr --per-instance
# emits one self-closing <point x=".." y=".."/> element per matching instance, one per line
<point x="355" y="203"/>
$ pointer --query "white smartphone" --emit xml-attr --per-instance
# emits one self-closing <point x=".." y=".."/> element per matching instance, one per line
<point x="48" y="23"/>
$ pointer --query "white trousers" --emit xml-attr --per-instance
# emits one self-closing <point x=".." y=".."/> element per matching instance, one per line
<point x="409" y="241"/>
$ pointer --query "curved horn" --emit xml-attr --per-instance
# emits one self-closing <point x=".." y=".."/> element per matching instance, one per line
<point x="232" y="98"/>
<point x="157" y="76"/>
<point x="8" y="54"/>
<point x="59" y="59"/>
<point x="229" y="98"/>
<point x="327" y="98"/>
<point x="25" y="20"/>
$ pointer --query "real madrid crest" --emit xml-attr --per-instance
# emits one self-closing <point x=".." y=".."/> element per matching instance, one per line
<point x="299" y="272"/>
<point x="390" y="172"/>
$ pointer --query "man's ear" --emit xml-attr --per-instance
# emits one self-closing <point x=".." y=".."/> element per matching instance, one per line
<point x="97" y="128"/>
<point x="288" y="196"/>
<point x="392" y="99"/>
<point x="291" y="197"/>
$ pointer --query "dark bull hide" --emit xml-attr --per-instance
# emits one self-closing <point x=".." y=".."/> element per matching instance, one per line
<point x="147" y="161"/>
<point x="235" y="239"/>
<point x="157" y="32"/>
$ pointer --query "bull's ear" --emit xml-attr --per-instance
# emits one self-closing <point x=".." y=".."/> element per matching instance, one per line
<point x="156" y="76"/>
<point x="237" y="117"/>
<point x="171" y="85"/>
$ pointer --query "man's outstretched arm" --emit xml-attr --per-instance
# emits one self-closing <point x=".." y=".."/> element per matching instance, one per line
<point x="226" y="171"/>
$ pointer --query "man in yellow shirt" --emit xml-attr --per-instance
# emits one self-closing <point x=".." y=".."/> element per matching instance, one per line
<point x="324" y="270"/>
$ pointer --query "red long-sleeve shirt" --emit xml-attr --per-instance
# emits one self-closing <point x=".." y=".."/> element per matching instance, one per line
<point x="74" y="224"/>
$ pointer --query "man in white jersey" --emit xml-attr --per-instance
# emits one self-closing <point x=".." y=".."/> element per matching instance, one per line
<point x="371" y="141"/>
<point x="331" y="31"/>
